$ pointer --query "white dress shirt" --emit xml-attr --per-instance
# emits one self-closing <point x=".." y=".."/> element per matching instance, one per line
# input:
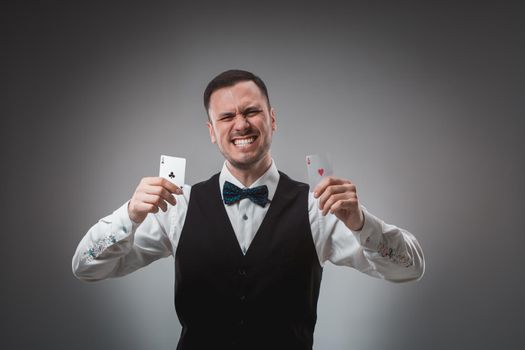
<point x="117" y="246"/>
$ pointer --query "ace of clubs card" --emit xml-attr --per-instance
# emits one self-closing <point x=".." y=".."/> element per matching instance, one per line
<point x="173" y="169"/>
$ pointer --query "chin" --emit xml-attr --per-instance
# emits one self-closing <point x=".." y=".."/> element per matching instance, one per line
<point x="242" y="164"/>
<point x="245" y="162"/>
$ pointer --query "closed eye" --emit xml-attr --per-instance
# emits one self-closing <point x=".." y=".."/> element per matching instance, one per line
<point x="251" y="112"/>
<point x="226" y="116"/>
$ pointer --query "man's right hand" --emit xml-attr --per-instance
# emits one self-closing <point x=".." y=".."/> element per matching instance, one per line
<point x="151" y="194"/>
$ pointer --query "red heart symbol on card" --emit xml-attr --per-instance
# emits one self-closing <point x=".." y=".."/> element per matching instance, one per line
<point x="320" y="171"/>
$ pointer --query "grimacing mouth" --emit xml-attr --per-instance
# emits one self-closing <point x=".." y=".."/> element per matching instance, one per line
<point x="244" y="140"/>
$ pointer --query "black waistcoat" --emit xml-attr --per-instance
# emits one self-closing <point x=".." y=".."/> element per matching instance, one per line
<point x="266" y="299"/>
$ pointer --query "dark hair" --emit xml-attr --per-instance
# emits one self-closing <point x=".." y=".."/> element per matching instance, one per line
<point x="230" y="78"/>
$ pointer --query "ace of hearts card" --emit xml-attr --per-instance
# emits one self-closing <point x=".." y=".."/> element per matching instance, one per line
<point x="319" y="166"/>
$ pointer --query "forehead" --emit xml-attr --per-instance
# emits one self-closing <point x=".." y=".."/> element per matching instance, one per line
<point x="236" y="96"/>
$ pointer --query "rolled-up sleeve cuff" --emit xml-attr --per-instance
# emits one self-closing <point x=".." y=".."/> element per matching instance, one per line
<point x="370" y="235"/>
<point x="122" y="227"/>
<point x="121" y="219"/>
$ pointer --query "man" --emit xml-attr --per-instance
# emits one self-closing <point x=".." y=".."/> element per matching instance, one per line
<point x="249" y="243"/>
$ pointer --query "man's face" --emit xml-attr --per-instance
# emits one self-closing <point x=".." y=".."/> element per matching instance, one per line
<point x="241" y="124"/>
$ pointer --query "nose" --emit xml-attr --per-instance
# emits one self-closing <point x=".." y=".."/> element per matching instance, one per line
<point x="241" y="122"/>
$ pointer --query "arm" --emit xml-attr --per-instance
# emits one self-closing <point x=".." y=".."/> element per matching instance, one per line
<point x="117" y="245"/>
<point x="347" y="234"/>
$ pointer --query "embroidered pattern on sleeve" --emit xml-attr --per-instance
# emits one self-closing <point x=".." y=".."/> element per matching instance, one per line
<point x="393" y="255"/>
<point x="99" y="246"/>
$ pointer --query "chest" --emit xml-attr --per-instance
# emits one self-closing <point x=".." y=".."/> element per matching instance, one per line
<point x="214" y="237"/>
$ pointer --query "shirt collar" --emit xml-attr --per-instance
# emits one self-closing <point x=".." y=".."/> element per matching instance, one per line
<point x="270" y="178"/>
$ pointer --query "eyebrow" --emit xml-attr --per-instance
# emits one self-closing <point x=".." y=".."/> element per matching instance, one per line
<point x="243" y="110"/>
<point x="251" y="107"/>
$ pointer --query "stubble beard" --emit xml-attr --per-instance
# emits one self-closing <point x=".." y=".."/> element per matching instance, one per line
<point x="250" y="163"/>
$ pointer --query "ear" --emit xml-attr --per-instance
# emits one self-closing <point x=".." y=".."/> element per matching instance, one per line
<point x="212" y="132"/>
<point x="272" y="117"/>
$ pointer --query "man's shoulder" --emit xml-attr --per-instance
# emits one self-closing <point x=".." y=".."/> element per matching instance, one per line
<point x="212" y="181"/>
<point x="285" y="179"/>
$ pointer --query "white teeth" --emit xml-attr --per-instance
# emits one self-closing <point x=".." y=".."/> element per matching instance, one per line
<point x="243" y="142"/>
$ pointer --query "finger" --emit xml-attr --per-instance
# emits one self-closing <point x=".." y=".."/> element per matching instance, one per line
<point x="332" y="200"/>
<point x="161" y="192"/>
<point x="168" y="185"/>
<point x="147" y="208"/>
<point x="153" y="199"/>
<point x="344" y="204"/>
<point x="334" y="189"/>
<point x="163" y="205"/>
<point x="328" y="181"/>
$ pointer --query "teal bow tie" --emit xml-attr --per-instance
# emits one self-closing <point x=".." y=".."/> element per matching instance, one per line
<point x="233" y="194"/>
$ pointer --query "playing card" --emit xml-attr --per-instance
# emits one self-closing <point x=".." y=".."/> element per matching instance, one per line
<point x="173" y="169"/>
<point x="319" y="166"/>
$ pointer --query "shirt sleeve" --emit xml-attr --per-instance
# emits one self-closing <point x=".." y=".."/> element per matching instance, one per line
<point x="379" y="249"/>
<point x="116" y="246"/>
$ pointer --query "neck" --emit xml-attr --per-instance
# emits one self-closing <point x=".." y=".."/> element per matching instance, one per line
<point x="249" y="175"/>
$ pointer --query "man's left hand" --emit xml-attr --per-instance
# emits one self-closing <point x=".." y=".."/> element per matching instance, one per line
<point x="339" y="197"/>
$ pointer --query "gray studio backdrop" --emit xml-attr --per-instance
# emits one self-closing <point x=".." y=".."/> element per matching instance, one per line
<point x="420" y="104"/>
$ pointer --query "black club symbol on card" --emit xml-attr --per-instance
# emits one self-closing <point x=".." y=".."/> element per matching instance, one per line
<point x="172" y="175"/>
